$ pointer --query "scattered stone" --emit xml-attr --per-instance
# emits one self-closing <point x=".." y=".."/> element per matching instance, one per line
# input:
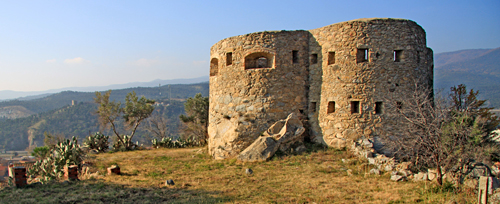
<point x="421" y="176"/>
<point x="367" y="143"/>
<point x="371" y="161"/>
<point x="170" y="182"/>
<point x="431" y="174"/>
<point x="403" y="166"/>
<point x="397" y="178"/>
<point x="388" y="168"/>
<point x="248" y="171"/>
<point x="375" y="171"/>
<point x="404" y="172"/>
<point x="349" y="172"/>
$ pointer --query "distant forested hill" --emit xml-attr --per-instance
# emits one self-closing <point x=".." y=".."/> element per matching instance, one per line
<point x="54" y="114"/>
<point x="58" y="100"/>
<point x="478" y="69"/>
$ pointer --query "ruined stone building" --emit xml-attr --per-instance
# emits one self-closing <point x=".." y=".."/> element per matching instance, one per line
<point x="337" y="77"/>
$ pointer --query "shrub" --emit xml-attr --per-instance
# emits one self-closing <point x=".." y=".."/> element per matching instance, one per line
<point x="129" y="145"/>
<point x="41" y="152"/>
<point x="65" y="153"/>
<point x="167" y="142"/>
<point x="98" y="142"/>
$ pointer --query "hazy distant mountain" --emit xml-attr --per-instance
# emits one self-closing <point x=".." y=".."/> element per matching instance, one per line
<point x="457" y="56"/>
<point x="477" y="69"/>
<point x="20" y="95"/>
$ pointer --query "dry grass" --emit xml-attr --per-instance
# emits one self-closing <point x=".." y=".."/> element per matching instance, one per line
<point x="319" y="177"/>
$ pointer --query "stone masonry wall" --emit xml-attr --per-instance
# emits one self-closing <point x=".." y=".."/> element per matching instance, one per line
<point x="379" y="78"/>
<point x="259" y="78"/>
<point x="245" y="98"/>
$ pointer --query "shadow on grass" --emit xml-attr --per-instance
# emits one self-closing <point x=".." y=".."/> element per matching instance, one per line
<point x="95" y="191"/>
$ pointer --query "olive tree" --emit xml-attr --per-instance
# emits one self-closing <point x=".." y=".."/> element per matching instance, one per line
<point x="196" y="118"/>
<point x="135" y="111"/>
<point x="437" y="133"/>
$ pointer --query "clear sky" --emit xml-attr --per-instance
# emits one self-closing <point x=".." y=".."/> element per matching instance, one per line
<point x="56" y="44"/>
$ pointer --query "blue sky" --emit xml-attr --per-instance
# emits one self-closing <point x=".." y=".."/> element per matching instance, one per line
<point x="56" y="44"/>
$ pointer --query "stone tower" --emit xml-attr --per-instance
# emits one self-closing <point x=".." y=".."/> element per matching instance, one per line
<point x="338" y="77"/>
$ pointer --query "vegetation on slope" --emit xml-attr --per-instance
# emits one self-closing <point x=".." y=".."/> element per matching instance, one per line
<point x="78" y="120"/>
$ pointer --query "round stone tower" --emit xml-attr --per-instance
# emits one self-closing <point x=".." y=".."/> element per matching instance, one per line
<point x="340" y="78"/>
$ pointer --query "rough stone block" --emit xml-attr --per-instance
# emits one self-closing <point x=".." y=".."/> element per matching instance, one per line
<point x="115" y="169"/>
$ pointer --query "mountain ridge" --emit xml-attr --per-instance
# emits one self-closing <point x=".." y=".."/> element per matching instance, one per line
<point x="480" y="72"/>
<point x="21" y="95"/>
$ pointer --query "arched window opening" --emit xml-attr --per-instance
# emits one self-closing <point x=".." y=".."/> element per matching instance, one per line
<point x="214" y="67"/>
<point x="259" y="60"/>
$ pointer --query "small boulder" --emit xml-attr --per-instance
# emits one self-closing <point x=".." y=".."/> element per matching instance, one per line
<point x="170" y="182"/>
<point x="397" y="178"/>
<point x="375" y="171"/>
<point x="115" y="169"/>
<point x="421" y="176"/>
<point x="371" y="161"/>
<point x="431" y="174"/>
<point x="248" y="171"/>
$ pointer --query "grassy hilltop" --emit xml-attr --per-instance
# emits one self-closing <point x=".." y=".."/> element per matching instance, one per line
<point x="318" y="176"/>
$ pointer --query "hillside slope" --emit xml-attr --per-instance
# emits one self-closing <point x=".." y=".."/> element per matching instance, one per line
<point x="61" y="118"/>
<point x="479" y="73"/>
<point x="58" y="100"/>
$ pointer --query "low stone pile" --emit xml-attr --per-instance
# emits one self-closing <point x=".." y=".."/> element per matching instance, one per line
<point x="467" y="174"/>
<point x="364" y="148"/>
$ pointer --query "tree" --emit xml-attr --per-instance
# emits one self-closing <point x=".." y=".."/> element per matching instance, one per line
<point x="52" y="140"/>
<point x="196" y="118"/>
<point x="135" y="111"/>
<point x="464" y="103"/>
<point x="41" y="152"/>
<point x="435" y="136"/>
<point x="158" y="125"/>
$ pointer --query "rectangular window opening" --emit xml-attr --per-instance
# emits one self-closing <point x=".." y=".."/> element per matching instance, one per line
<point x="314" y="58"/>
<point x="362" y="55"/>
<point x="313" y="107"/>
<point x="354" y="107"/>
<point x="378" y="107"/>
<point x="295" y="56"/>
<point x="331" y="107"/>
<point x="398" y="55"/>
<point x="418" y="57"/>
<point x="229" y="58"/>
<point x="331" y="58"/>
